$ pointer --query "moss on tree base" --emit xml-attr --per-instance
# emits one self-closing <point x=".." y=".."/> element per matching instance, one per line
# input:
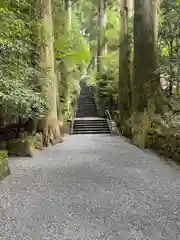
<point x="4" y="167"/>
<point x="126" y="128"/>
<point x="160" y="135"/>
<point x="166" y="143"/>
<point x="22" y="147"/>
<point x="140" y="125"/>
<point x="26" y="145"/>
<point x="64" y="129"/>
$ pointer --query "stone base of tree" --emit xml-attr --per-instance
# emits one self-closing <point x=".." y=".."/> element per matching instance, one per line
<point x="4" y="167"/>
<point x="56" y="141"/>
<point x="140" y="125"/>
<point x="21" y="147"/>
<point x="64" y="129"/>
<point x="38" y="141"/>
<point x="126" y="129"/>
<point x="25" y="146"/>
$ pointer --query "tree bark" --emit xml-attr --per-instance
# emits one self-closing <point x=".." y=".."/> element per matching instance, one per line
<point x="63" y="65"/>
<point x="177" y="87"/>
<point x="101" y="23"/>
<point x="124" y="65"/>
<point x="49" y="125"/>
<point x="101" y="47"/>
<point x="146" y="82"/>
<point x="68" y="9"/>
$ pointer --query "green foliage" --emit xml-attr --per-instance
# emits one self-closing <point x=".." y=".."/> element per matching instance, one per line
<point x="19" y="69"/>
<point x="72" y="53"/>
<point x="109" y="80"/>
<point x="169" y="41"/>
<point x="112" y="28"/>
<point x="109" y="76"/>
<point x="4" y="168"/>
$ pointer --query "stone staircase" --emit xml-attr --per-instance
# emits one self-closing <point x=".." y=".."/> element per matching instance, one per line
<point x="90" y="126"/>
<point x="87" y="120"/>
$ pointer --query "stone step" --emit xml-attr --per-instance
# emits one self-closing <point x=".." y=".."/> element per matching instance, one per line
<point x="103" y="124"/>
<point x="91" y="127"/>
<point x="90" y="122"/>
<point x="87" y="108"/>
<point x="89" y="119"/>
<point x="91" y="132"/>
<point x="88" y="103"/>
<point x="90" y="111"/>
<point x="86" y="97"/>
<point x="88" y="114"/>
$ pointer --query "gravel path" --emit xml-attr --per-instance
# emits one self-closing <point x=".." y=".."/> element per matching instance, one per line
<point x="91" y="187"/>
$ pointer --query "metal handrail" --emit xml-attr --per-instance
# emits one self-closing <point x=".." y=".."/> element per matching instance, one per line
<point x="97" y="103"/>
<point x="107" y="113"/>
<point x="109" y="120"/>
<point x="71" y="122"/>
<point x="92" y="90"/>
<point x="71" y="126"/>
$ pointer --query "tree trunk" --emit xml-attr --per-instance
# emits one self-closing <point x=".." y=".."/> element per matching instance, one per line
<point x="130" y="4"/>
<point x="49" y="125"/>
<point x="146" y="82"/>
<point x="99" y="40"/>
<point x="171" y="77"/>
<point x="68" y="9"/>
<point x="2" y="116"/>
<point x="177" y="87"/>
<point x="63" y="64"/>
<point x="104" y="24"/>
<point x="124" y="65"/>
<point x="101" y="48"/>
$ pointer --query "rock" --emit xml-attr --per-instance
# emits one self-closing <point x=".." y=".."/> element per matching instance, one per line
<point x="56" y="141"/>
<point x="39" y="141"/>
